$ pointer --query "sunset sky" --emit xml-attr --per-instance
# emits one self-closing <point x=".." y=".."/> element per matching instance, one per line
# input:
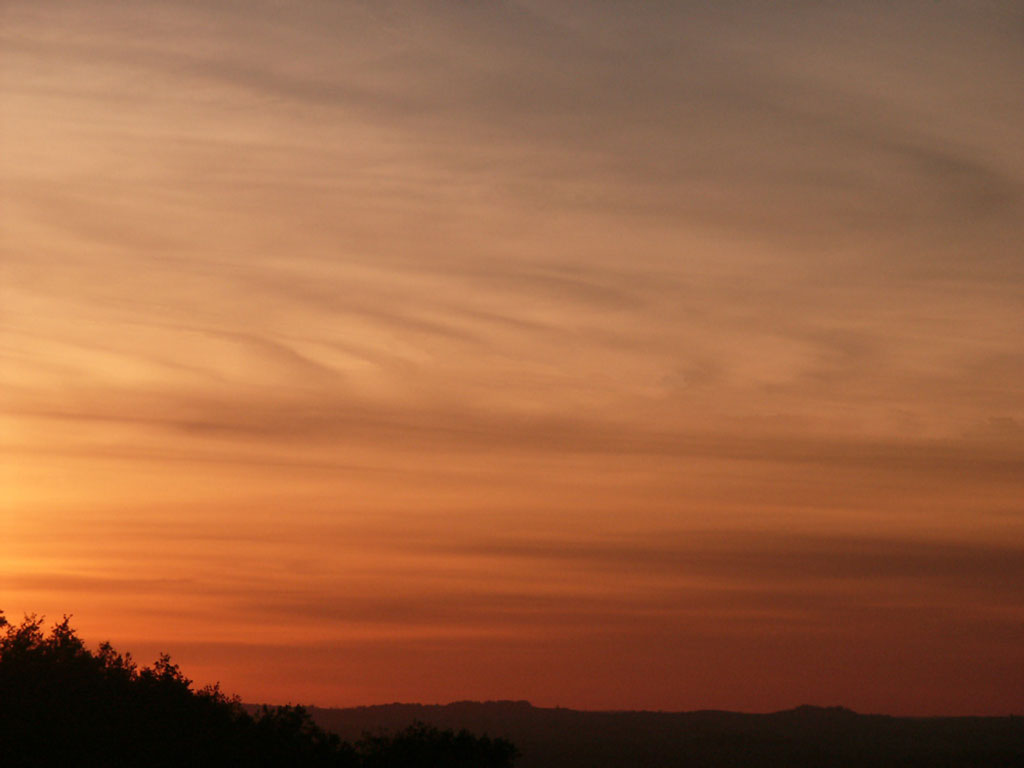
<point x="616" y="355"/>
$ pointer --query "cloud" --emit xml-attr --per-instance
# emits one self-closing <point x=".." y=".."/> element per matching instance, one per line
<point x="707" y="306"/>
<point x="766" y="557"/>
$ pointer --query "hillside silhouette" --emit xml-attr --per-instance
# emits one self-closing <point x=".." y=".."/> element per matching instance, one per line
<point x="808" y="737"/>
<point x="63" y="705"/>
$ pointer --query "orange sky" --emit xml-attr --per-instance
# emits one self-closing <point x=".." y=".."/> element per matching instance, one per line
<point x="665" y="355"/>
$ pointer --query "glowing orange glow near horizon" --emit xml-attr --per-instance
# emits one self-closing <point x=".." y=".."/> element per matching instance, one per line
<point x="606" y="355"/>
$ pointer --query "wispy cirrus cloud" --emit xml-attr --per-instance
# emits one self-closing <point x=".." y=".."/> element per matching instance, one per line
<point x="710" y="307"/>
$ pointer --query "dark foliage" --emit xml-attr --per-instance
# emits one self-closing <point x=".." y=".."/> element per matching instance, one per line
<point x="61" y="704"/>
<point x="422" y="745"/>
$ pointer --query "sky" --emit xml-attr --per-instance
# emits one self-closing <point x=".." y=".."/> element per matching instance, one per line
<point x="662" y="355"/>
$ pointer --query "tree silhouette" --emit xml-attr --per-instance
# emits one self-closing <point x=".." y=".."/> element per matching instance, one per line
<point x="61" y="704"/>
<point x="422" y="744"/>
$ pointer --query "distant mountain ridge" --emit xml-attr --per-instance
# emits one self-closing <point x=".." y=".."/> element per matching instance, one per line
<point x="806" y="736"/>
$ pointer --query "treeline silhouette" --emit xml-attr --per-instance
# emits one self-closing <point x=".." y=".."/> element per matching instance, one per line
<point x="63" y="705"/>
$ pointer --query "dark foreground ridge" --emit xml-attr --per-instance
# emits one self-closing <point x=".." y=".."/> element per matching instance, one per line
<point x="63" y="705"/>
<point x="807" y="736"/>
